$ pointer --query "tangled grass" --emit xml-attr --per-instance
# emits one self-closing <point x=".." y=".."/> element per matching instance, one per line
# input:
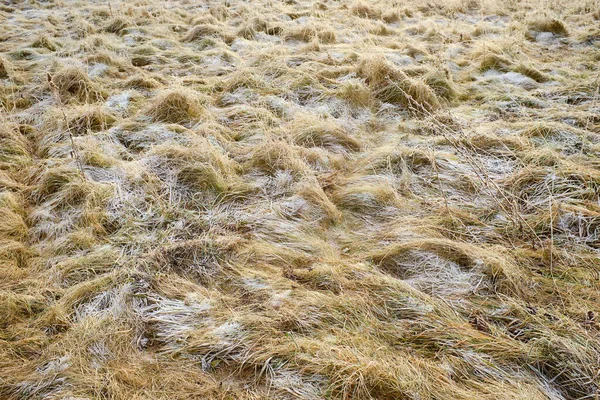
<point x="299" y="200"/>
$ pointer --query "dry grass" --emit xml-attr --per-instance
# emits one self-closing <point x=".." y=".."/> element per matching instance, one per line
<point x="74" y="83"/>
<point x="299" y="200"/>
<point x="5" y="68"/>
<point x="311" y="132"/>
<point x="90" y="119"/>
<point x="550" y="25"/>
<point x="392" y="85"/>
<point x="175" y="106"/>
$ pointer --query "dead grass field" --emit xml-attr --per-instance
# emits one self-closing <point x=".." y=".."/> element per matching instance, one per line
<point x="300" y="199"/>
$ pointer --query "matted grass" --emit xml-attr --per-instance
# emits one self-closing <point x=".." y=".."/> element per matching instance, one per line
<point x="299" y="200"/>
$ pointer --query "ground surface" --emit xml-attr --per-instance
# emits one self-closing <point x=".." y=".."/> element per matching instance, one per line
<point x="299" y="199"/>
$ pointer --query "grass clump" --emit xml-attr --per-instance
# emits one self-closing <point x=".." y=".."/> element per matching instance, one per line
<point x="175" y="106"/>
<point x="356" y="93"/>
<point x="315" y="132"/>
<point x="11" y="212"/>
<point x="542" y="130"/>
<point x="199" y="168"/>
<point x="142" y="82"/>
<point x="5" y="68"/>
<point x="73" y="83"/>
<point x="91" y="119"/>
<point x="490" y="60"/>
<point x="206" y="31"/>
<point x="46" y="43"/>
<point x="307" y="33"/>
<point x="14" y="148"/>
<point x="365" y="10"/>
<point x="369" y="196"/>
<point x="391" y="85"/>
<point x="55" y="179"/>
<point x="532" y="73"/>
<point x="554" y="26"/>
<point x="116" y="25"/>
<point x="443" y="86"/>
<point x="278" y="156"/>
<point x="247" y="32"/>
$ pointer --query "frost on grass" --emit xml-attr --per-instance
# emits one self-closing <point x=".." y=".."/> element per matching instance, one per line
<point x="299" y="200"/>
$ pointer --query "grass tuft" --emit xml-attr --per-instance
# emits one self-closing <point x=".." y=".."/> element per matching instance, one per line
<point x="116" y="25"/>
<point x="73" y="83"/>
<point x="490" y="60"/>
<point x="322" y="33"/>
<point x="14" y="148"/>
<point x="391" y="85"/>
<point x="532" y="72"/>
<point x="5" y="68"/>
<point x="142" y="82"/>
<point x="91" y="119"/>
<point x="200" y="168"/>
<point x="246" y="32"/>
<point x="175" y="106"/>
<point x="313" y="132"/>
<point x="441" y="83"/>
<point x="554" y="26"/>
<point x="44" y="42"/>
<point x="204" y="31"/>
<point x="365" y="10"/>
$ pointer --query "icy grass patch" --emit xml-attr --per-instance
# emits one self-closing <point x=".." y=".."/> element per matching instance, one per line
<point x="119" y="102"/>
<point x="545" y="38"/>
<point x="297" y="385"/>
<point x="96" y="70"/>
<point x="54" y="366"/>
<point x="435" y="275"/>
<point x="277" y="299"/>
<point x="254" y="283"/>
<point x="174" y="320"/>
<point x="112" y="302"/>
<point x="228" y="330"/>
<point x="150" y="136"/>
<point x="513" y="78"/>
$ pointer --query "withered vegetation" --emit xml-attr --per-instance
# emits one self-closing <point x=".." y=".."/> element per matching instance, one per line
<point x="299" y="199"/>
